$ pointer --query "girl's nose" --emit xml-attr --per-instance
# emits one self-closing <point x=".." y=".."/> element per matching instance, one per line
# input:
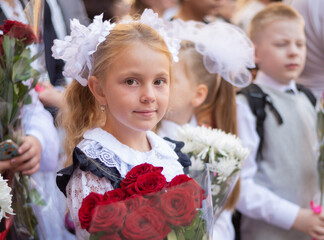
<point x="148" y="94"/>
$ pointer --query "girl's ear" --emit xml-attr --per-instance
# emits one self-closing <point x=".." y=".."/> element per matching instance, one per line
<point x="200" y="95"/>
<point x="96" y="89"/>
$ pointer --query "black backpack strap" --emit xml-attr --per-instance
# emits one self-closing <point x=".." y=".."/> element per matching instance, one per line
<point x="308" y="93"/>
<point x="257" y="100"/>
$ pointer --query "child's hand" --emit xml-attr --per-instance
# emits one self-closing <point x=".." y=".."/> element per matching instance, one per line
<point x="310" y="223"/>
<point x="49" y="95"/>
<point x="28" y="161"/>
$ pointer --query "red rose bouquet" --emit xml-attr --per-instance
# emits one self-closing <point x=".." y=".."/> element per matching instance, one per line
<point x="146" y="206"/>
<point x="19" y="49"/>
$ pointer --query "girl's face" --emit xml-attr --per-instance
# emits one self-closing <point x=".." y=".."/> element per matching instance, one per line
<point x="182" y="93"/>
<point x="136" y="89"/>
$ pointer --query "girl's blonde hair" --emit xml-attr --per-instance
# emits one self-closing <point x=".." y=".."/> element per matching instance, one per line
<point x="81" y="111"/>
<point x="219" y="108"/>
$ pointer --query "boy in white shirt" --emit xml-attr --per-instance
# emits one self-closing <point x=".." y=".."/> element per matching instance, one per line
<point x="279" y="181"/>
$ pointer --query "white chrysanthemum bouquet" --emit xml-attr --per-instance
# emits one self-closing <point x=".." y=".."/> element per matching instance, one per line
<point x="5" y="199"/>
<point x="217" y="158"/>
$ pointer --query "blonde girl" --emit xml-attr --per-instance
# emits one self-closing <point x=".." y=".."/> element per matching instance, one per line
<point x="113" y="103"/>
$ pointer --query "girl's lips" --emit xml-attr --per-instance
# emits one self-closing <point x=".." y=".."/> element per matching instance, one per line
<point x="145" y="113"/>
<point x="292" y="66"/>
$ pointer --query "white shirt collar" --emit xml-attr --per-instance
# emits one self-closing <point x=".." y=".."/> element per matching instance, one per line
<point x="267" y="81"/>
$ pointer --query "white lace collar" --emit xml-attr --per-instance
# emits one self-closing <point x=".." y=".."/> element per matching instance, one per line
<point x="162" y="154"/>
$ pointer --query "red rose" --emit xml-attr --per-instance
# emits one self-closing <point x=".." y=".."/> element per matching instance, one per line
<point x="145" y="223"/>
<point x="20" y="31"/>
<point x="136" y="201"/>
<point x="136" y="171"/>
<point x="196" y="191"/>
<point x="115" y="195"/>
<point x="148" y="183"/>
<point x="108" y="217"/>
<point x="178" y="206"/>
<point x="179" y="179"/>
<point x="183" y="181"/>
<point x="87" y="209"/>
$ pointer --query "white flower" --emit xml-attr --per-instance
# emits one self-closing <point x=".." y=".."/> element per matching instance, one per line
<point x="152" y="19"/>
<point x="225" y="167"/>
<point x="215" y="189"/>
<point x="76" y="49"/>
<point x="224" y="151"/>
<point x="196" y="163"/>
<point x="5" y="199"/>
<point x="198" y="139"/>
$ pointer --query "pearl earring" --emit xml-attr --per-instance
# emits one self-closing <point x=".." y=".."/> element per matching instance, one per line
<point x="102" y="108"/>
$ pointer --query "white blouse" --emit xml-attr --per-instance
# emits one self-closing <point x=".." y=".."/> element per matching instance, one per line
<point x="99" y="144"/>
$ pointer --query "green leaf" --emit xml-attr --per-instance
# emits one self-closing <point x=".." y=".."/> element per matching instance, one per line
<point x="35" y="75"/>
<point x="8" y="48"/>
<point x="21" y="70"/>
<point x="28" y="100"/>
<point x="9" y="99"/>
<point x="22" y="92"/>
<point x="36" y="198"/>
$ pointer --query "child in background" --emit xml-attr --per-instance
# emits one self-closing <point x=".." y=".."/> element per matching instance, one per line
<point x="198" y="10"/>
<point x="38" y="157"/>
<point x="246" y="9"/>
<point x="278" y="184"/>
<point x="113" y="103"/>
<point x="212" y="59"/>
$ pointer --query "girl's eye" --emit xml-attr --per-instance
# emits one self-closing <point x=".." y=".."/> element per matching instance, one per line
<point x="131" y="82"/>
<point x="159" y="82"/>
